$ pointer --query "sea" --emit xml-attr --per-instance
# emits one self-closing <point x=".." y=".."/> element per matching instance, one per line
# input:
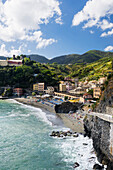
<point x="26" y="144"/>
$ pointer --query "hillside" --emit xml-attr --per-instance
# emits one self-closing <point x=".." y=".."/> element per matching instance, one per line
<point x="88" y="57"/>
<point x="3" y="58"/>
<point x="38" y="58"/>
<point x="65" y="59"/>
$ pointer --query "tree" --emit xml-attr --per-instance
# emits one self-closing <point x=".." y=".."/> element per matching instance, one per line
<point x="33" y="93"/>
<point x="66" y="97"/>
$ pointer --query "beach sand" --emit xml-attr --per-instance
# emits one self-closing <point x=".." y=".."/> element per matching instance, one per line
<point x="74" y="125"/>
<point x="71" y="123"/>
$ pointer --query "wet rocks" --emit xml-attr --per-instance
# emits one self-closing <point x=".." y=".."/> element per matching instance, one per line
<point x="62" y="134"/>
<point x="76" y="165"/>
<point x="98" y="167"/>
<point x="85" y="143"/>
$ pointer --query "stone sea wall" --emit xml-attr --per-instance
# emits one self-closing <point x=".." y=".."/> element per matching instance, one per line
<point x="101" y="133"/>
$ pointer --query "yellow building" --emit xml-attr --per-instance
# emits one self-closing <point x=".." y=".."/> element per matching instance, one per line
<point x="62" y="87"/>
<point x="38" y="87"/>
<point x="96" y="92"/>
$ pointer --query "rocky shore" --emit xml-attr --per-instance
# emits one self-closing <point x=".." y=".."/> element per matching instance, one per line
<point x="101" y="133"/>
<point x="62" y="134"/>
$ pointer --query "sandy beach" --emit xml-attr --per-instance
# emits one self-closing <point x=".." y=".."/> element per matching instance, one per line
<point x="69" y="121"/>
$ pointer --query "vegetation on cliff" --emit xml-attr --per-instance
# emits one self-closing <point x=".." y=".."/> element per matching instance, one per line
<point x="32" y="72"/>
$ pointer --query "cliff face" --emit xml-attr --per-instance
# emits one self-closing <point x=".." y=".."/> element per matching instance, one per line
<point x="101" y="133"/>
<point x="106" y="99"/>
<point x="66" y="107"/>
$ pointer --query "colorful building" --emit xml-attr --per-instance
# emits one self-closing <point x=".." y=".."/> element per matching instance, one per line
<point x="62" y="87"/>
<point x="50" y="90"/>
<point x="10" y="62"/>
<point x="96" y="92"/>
<point x="18" y="91"/>
<point x="38" y="87"/>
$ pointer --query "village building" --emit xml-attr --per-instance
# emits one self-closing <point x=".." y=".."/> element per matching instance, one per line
<point x="93" y="84"/>
<point x="96" y="92"/>
<point x="78" y="91"/>
<point x="61" y="82"/>
<point x="62" y="87"/>
<point x="102" y="80"/>
<point x="50" y="90"/>
<point x="18" y="91"/>
<point x="87" y="97"/>
<point x="10" y="63"/>
<point x="14" y="62"/>
<point x="38" y="87"/>
<point x="3" y="63"/>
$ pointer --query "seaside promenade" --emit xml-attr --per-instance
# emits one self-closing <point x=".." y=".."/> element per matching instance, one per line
<point x="106" y="117"/>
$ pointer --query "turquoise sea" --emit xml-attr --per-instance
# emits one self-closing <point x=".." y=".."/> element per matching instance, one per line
<point x="25" y="142"/>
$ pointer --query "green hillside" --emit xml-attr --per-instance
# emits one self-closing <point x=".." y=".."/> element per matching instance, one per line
<point x="31" y="72"/>
<point x="92" y="71"/>
<point x="88" y="57"/>
<point x="38" y="58"/>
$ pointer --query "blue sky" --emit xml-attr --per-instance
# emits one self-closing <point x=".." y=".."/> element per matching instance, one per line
<point x="55" y="27"/>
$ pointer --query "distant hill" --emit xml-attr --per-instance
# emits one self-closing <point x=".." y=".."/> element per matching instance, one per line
<point x="38" y="58"/>
<point x="88" y="57"/>
<point x="65" y="59"/>
<point x="3" y="58"/>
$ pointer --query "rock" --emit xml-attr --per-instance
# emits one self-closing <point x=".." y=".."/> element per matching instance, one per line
<point x="76" y="165"/>
<point x="68" y="134"/>
<point x="97" y="167"/>
<point x="75" y="135"/>
<point x="85" y="144"/>
<point x="65" y="133"/>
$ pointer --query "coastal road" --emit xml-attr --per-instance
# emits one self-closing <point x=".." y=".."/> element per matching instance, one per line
<point x="104" y="116"/>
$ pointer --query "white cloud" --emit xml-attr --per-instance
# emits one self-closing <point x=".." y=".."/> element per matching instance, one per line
<point x="95" y="13"/>
<point x="21" y="18"/>
<point x="45" y="42"/>
<point x="92" y="32"/>
<point x="104" y="34"/>
<point x="29" y="51"/>
<point x="108" y="48"/>
<point x="11" y="52"/>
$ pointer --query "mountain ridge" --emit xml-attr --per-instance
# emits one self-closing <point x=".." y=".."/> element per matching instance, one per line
<point x="88" y="57"/>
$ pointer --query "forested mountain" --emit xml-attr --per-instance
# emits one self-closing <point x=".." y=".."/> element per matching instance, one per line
<point x="3" y="58"/>
<point x="88" y="57"/>
<point x="38" y="58"/>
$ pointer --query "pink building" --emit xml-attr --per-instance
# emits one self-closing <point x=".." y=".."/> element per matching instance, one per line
<point x="18" y="91"/>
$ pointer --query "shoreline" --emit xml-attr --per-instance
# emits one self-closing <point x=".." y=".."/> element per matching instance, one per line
<point x="70" y="123"/>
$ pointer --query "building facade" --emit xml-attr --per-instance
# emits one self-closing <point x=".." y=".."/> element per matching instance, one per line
<point x="18" y="91"/>
<point x="38" y="87"/>
<point x="62" y="87"/>
<point x="96" y="92"/>
<point x="50" y="90"/>
<point x="10" y="62"/>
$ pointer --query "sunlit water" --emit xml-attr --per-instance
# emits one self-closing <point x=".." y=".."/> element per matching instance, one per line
<point x="25" y="141"/>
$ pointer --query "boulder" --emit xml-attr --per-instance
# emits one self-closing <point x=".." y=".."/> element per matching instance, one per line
<point x="76" y="165"/>
<point x="98" y="167"/>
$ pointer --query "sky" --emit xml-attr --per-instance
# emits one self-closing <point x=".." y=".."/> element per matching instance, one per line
<point x="55" y="27"/>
